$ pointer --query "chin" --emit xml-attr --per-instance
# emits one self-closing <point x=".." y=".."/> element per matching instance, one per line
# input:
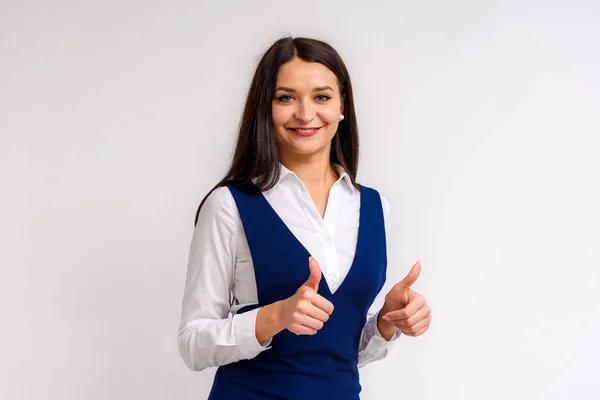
<point x="306" y="148"/>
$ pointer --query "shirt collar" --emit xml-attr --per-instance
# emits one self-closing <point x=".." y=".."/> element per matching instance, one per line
<point x="285" y="172"/>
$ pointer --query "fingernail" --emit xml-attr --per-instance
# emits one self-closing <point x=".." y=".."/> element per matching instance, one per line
<point x="385" y="317"/>
<point x="309" y="258"/>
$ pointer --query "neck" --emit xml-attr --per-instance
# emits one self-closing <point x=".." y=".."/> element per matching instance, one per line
<point x="315" y="171"/>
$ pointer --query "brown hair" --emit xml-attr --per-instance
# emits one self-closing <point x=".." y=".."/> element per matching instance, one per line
<point x="256" y="153"/>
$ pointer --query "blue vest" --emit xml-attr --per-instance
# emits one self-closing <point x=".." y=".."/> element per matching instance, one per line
<point x="320" y="366"/>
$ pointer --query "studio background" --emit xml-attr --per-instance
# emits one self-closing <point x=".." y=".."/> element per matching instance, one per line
<point x="478" y="121"/>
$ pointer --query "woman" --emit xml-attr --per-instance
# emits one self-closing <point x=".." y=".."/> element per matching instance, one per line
<point x="279" y="323"/>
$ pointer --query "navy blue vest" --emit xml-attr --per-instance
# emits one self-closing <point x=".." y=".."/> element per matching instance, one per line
<point x="320" y="366"/>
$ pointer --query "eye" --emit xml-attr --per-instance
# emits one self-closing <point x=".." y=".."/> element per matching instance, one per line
<point x="322" y="97"/>
<point x="283" y="98"/>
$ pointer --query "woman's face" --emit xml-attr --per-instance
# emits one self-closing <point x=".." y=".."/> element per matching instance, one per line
<point x="306" y="96"/>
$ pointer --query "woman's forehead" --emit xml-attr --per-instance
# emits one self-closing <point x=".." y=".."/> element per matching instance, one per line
<point x="302" y="75"/>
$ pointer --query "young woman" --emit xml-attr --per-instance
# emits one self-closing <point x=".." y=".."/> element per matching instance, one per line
<point x="288" y="256"/>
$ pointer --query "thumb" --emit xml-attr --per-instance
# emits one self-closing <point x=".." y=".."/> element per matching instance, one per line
<point x="315" y="274"/>
<point x="412" y="276"/>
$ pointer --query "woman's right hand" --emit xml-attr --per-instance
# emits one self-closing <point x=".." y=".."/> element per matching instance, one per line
<point x="306" y="311"/>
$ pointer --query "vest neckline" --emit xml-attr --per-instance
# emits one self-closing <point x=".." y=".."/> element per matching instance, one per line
<point x="359" y="240"/>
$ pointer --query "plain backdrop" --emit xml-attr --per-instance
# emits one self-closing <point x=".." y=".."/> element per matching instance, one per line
<point x="479" y="121"/>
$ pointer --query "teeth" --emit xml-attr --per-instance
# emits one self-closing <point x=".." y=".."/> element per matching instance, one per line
<point x="305" y="130"/>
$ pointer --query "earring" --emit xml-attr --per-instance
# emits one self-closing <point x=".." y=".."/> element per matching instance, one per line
<point x="341" y="117"/>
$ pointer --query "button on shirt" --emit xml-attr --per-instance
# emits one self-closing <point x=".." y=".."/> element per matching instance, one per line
<point x="220" y="277"/>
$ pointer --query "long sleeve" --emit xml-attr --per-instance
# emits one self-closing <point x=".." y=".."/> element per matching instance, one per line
<point x="372" y="345"/>
<point x="209" y="334"/>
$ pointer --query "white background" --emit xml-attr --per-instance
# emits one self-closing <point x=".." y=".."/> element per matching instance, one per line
<point x="478" y="120"/>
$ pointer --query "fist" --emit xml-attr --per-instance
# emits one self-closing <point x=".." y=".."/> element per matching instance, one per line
<point x="306" y="311"/>
<point x="406" y="309"/>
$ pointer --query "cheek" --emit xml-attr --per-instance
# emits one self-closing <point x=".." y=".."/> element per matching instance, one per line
<point x="280" y="115"/>
<point x="330" y="114"/>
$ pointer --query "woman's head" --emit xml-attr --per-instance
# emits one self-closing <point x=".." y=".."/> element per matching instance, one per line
<point x="264" y="139"/>
<point x="306" y="109"/>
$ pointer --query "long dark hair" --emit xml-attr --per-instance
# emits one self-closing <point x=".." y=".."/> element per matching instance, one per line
<point x="256" y="154"/>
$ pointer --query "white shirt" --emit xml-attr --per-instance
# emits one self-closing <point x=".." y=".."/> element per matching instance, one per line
<point x="220" y="276"/>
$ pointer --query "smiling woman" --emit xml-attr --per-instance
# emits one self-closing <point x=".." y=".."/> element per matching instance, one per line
<point x="289" y="253"/>
<point x="299" y="83"/>
<point x="312" y="109"/>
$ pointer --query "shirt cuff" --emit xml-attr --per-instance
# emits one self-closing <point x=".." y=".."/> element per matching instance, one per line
<point x="373" y="346"/>
<point x="374" y="331"/>
<point x="244" y="332"/>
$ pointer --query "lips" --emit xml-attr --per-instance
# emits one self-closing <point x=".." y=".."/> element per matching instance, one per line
<point x="305" y="131"/>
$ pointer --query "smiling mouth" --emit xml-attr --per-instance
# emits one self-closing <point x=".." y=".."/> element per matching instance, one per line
<point x="312" y="128"/>
<point x="305" y="131"/>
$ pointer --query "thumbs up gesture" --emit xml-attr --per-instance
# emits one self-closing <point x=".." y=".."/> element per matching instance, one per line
<point x="306" y="311"/>
<point x="405" y="309"/>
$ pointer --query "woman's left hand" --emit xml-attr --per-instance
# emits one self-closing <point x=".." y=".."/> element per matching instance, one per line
<point x="406" y="309"/>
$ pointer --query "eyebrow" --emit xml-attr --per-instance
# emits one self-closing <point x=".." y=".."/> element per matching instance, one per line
<point x="317" y="89"/>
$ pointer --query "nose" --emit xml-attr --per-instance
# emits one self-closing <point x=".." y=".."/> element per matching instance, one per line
<point x="305" y="111"/>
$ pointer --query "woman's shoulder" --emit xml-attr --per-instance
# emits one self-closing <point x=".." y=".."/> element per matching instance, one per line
<point x="374" y="190"/>
<point x="220" y="194"/>
<point x="219" y="204"/>
<point x="385" y="204"/>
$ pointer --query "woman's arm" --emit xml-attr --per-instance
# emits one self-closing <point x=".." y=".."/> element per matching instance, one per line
<point x="378" y="335"/>
<point x="208" y="334"/>
<point x="375" y="344"/>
